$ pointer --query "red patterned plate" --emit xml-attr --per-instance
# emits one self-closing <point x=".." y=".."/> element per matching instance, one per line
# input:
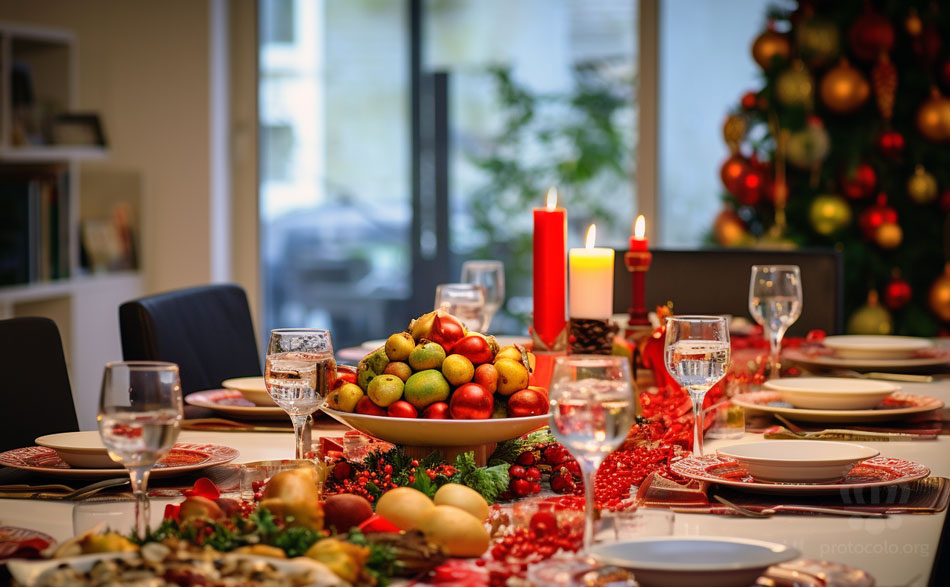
<point x="22" y="542"/>
<point x="876" y="472"/>
<point x="896" y="406"/>
<point x="183" y="458"/>
<point x="233" y="403"/>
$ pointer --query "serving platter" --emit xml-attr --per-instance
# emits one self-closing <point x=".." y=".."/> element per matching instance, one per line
<point x="874" y="472"/>
<point x="896" y="406"/>
<point x="233" y="403"/>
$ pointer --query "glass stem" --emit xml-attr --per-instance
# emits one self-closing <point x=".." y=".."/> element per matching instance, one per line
<point x="301" y="435"/>
<point x="775" y="349"/>
<point x="139" y="478"/>
<point x="698" y="424"/>
<point x="589" y="468"/>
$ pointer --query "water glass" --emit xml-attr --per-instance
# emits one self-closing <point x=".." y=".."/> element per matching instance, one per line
<point x="140" y="411"/>
<point x="728" y="421"/>
<point x="592" y="411"/>
<point x="115" y="514"/>
<point x="298" y="371"/>
<point x="640" y="522"/>
<point x="465" y="301"/>
<point x="697" y="355"/>
<point x="775" y="302"/>
<point x="491" y="276"/>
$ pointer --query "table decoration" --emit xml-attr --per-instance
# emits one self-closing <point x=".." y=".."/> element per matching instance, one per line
<point x="549" y="274"/>
<point x="638" y="260"/>
<point x="591" y="297"/>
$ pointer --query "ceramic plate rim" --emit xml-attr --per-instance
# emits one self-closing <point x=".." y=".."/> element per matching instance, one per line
<point x="798" y="356"/>
<point x="794" y="461"/>
<point x="686" y="566"/>
<point x="192" y="400"/>
<point x="236" y="383"/>
<point x="788" y="384"/>
<point x="48" y="441"/>
<point x="910" y="343"/>
<point x="847" y="415"/>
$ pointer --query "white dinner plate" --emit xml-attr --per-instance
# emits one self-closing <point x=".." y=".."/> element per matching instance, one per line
<point x="695" y="561"/>
<point x="797" y="461"/>
<point x="233" y="403"/>
<point x="252" y="388"/>
<point x="423" y="432"/>
<point x="832" y="393"/>
<point x="862" y="346"/>
<point x="896" y="406"/>
<point x="925" y="362"/>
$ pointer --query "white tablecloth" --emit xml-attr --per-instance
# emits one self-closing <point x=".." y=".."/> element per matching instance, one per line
<point x="897" y="550"/>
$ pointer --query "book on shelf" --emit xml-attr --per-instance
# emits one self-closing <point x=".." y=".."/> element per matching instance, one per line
<point x="34" y="227"/>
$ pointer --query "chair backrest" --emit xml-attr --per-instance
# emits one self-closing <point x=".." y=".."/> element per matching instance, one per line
<point x="206" y="330"/>
<point x="716" y="281"/>
<point x="37" y="397"/>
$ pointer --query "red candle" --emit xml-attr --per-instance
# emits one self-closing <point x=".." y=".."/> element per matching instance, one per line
<point x="550" y="269"/>
<point x="638" y="242"/>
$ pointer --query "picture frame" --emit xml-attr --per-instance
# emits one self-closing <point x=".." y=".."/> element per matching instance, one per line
<point x="77" y="130"/>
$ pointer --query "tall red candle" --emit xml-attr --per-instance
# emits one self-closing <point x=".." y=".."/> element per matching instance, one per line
<point x="550" y="269"/>
<point x="638" y="242"/>
<point x="638" y="261"/>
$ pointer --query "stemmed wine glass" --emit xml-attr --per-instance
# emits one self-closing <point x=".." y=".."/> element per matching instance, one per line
<point x="465" y="301"/>
<point x="592" y="410"/>
<point x="491" y="276"/>
<point x="140" y="411"/>
<point x="697" y="356"/>
<point x="775" y="301"/>
<point x="298" y="371"/>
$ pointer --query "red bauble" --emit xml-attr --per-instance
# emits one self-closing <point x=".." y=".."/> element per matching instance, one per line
<point x="751" y="186"/>
<point x="870" y="35"/>
<point x="876" y="215"/>
<point x="897" y="293"/>
<point x="860" y="183"/>
<point x="732" y="171"/>
<point x="749" y="101"/>
<point x="891" y="144"/>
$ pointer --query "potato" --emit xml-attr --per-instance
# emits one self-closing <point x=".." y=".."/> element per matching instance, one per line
<point x="458" y="532"/>
<point x="464" y="498"/>
<point x="404" y="507"/>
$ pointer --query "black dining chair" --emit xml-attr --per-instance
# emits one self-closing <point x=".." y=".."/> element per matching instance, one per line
<point x="206" y="330"/>
<point x="37" y="396"/>
<point x="716" y="281"/>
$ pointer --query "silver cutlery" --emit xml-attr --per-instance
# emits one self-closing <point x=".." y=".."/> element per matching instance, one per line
<point x="791" y="430"/>
<point x="769" y="512"/>
<point x="59" y="492"/>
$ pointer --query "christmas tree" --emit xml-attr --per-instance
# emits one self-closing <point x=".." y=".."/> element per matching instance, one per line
<point x="847" y="145"/>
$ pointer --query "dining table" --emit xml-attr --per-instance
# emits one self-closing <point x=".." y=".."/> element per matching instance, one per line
<point x="895" y="550"/>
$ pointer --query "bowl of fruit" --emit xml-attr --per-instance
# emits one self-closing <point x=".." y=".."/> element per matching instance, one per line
<point x="438" y="385"/>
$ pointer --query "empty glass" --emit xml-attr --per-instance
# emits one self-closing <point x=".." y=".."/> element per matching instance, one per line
<point x="140" y="411"/>
<point x="298" y="371"/>
<point x="465" y="301"/>
<point x="491" y="276"/>
<point x="697" y="356"/>
<point x="775" y="301"/>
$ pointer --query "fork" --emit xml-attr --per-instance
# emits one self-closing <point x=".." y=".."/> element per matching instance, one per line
<point x="769" y="512"/>
<point x="851" y="435"/>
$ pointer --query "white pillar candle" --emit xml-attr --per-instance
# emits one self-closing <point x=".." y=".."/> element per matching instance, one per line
<point x="591" y="280"/>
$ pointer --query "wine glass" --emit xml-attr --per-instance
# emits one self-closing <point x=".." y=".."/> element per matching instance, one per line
<point x="592" y="410"/>
<point x="697" y="356"/>
<point x="140" y="411"/>
<point x="775" y="301"/>
<point x="298" y="371"/>
<point x="465" y="301"/>
<point x="491" y="276"/>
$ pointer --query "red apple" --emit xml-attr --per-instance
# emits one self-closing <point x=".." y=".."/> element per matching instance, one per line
<point x="366" y="407"/>
<point x="487" y="376"/>
<point x="436" y="411"/>
<point x="402" y="409"/>
<point x="446" y="331"/>
<point x="344" y="374"/>
<point x="526" y="402"/>
<point x="471" y="402"/>
<point x="475" y="348"/>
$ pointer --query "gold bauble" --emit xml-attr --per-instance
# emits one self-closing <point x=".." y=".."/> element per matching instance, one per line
<point x="768" y="45"/>
<point x="808" y="147"/>
<point x="913" y="25"/>
<point x="733" y="130"/>
<point x="817" y="40"/>
<point x="939" y="298"/>
<point x="729" y="230"/>
<point x="795" y="86"/>
<point x="871" y="318"/>
<point x="922" y="187"/>
<point x="829" y="213"/>
<point x="889" y="235"/>
<point x="933" y="117"/>
<point x="844" y="89"/>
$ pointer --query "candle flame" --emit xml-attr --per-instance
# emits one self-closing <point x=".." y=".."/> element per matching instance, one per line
<point x="640" y="228"/>
<point x="552" y="199"/>
<point x="591" y="236"/>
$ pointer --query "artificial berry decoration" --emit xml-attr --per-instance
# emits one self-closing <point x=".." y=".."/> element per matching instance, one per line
<point x="532" y="474"/>
<point x="573" y="467"/>
<point x="342" y="470"/>
<point x="562" y="481"/>
<point x="543" y="523"/>
<point x="516" y="472"/>
<point x="526" y="459"/>
<point x="520" y="487"/>
<point x="555" y="455"/>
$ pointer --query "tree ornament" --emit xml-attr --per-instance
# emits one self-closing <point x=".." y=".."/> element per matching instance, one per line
<point x="870" y="318"/>
<point x="769" y="45"/>
<point x="749" y="101"/>
<point x="876" y="215"/>
<point x="733" y="131"/>
<point x="859" y="183"/>
<point x="808" y="147"/>
<point x="829" y="213"/>
<point x="912" y="24"/>
<point x="927" y="46"/>
<point x="933" y="117"/>
<point x="870" y="34"/>
<point x="752" y="185"/>
<point x="922" y="186"/>
<point x="729" y="230"/>
<point x="891" y="144"/>
<point x="939" y="297"/>
<point x="884" y="81"/>
<point x="732" y="171"/>
<point x="889" y="235"/>
<point x="897" y="292"/>
<point x="844" y="89"/>
<point x="795" y="86"/>
<point x="817" y="40"/>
